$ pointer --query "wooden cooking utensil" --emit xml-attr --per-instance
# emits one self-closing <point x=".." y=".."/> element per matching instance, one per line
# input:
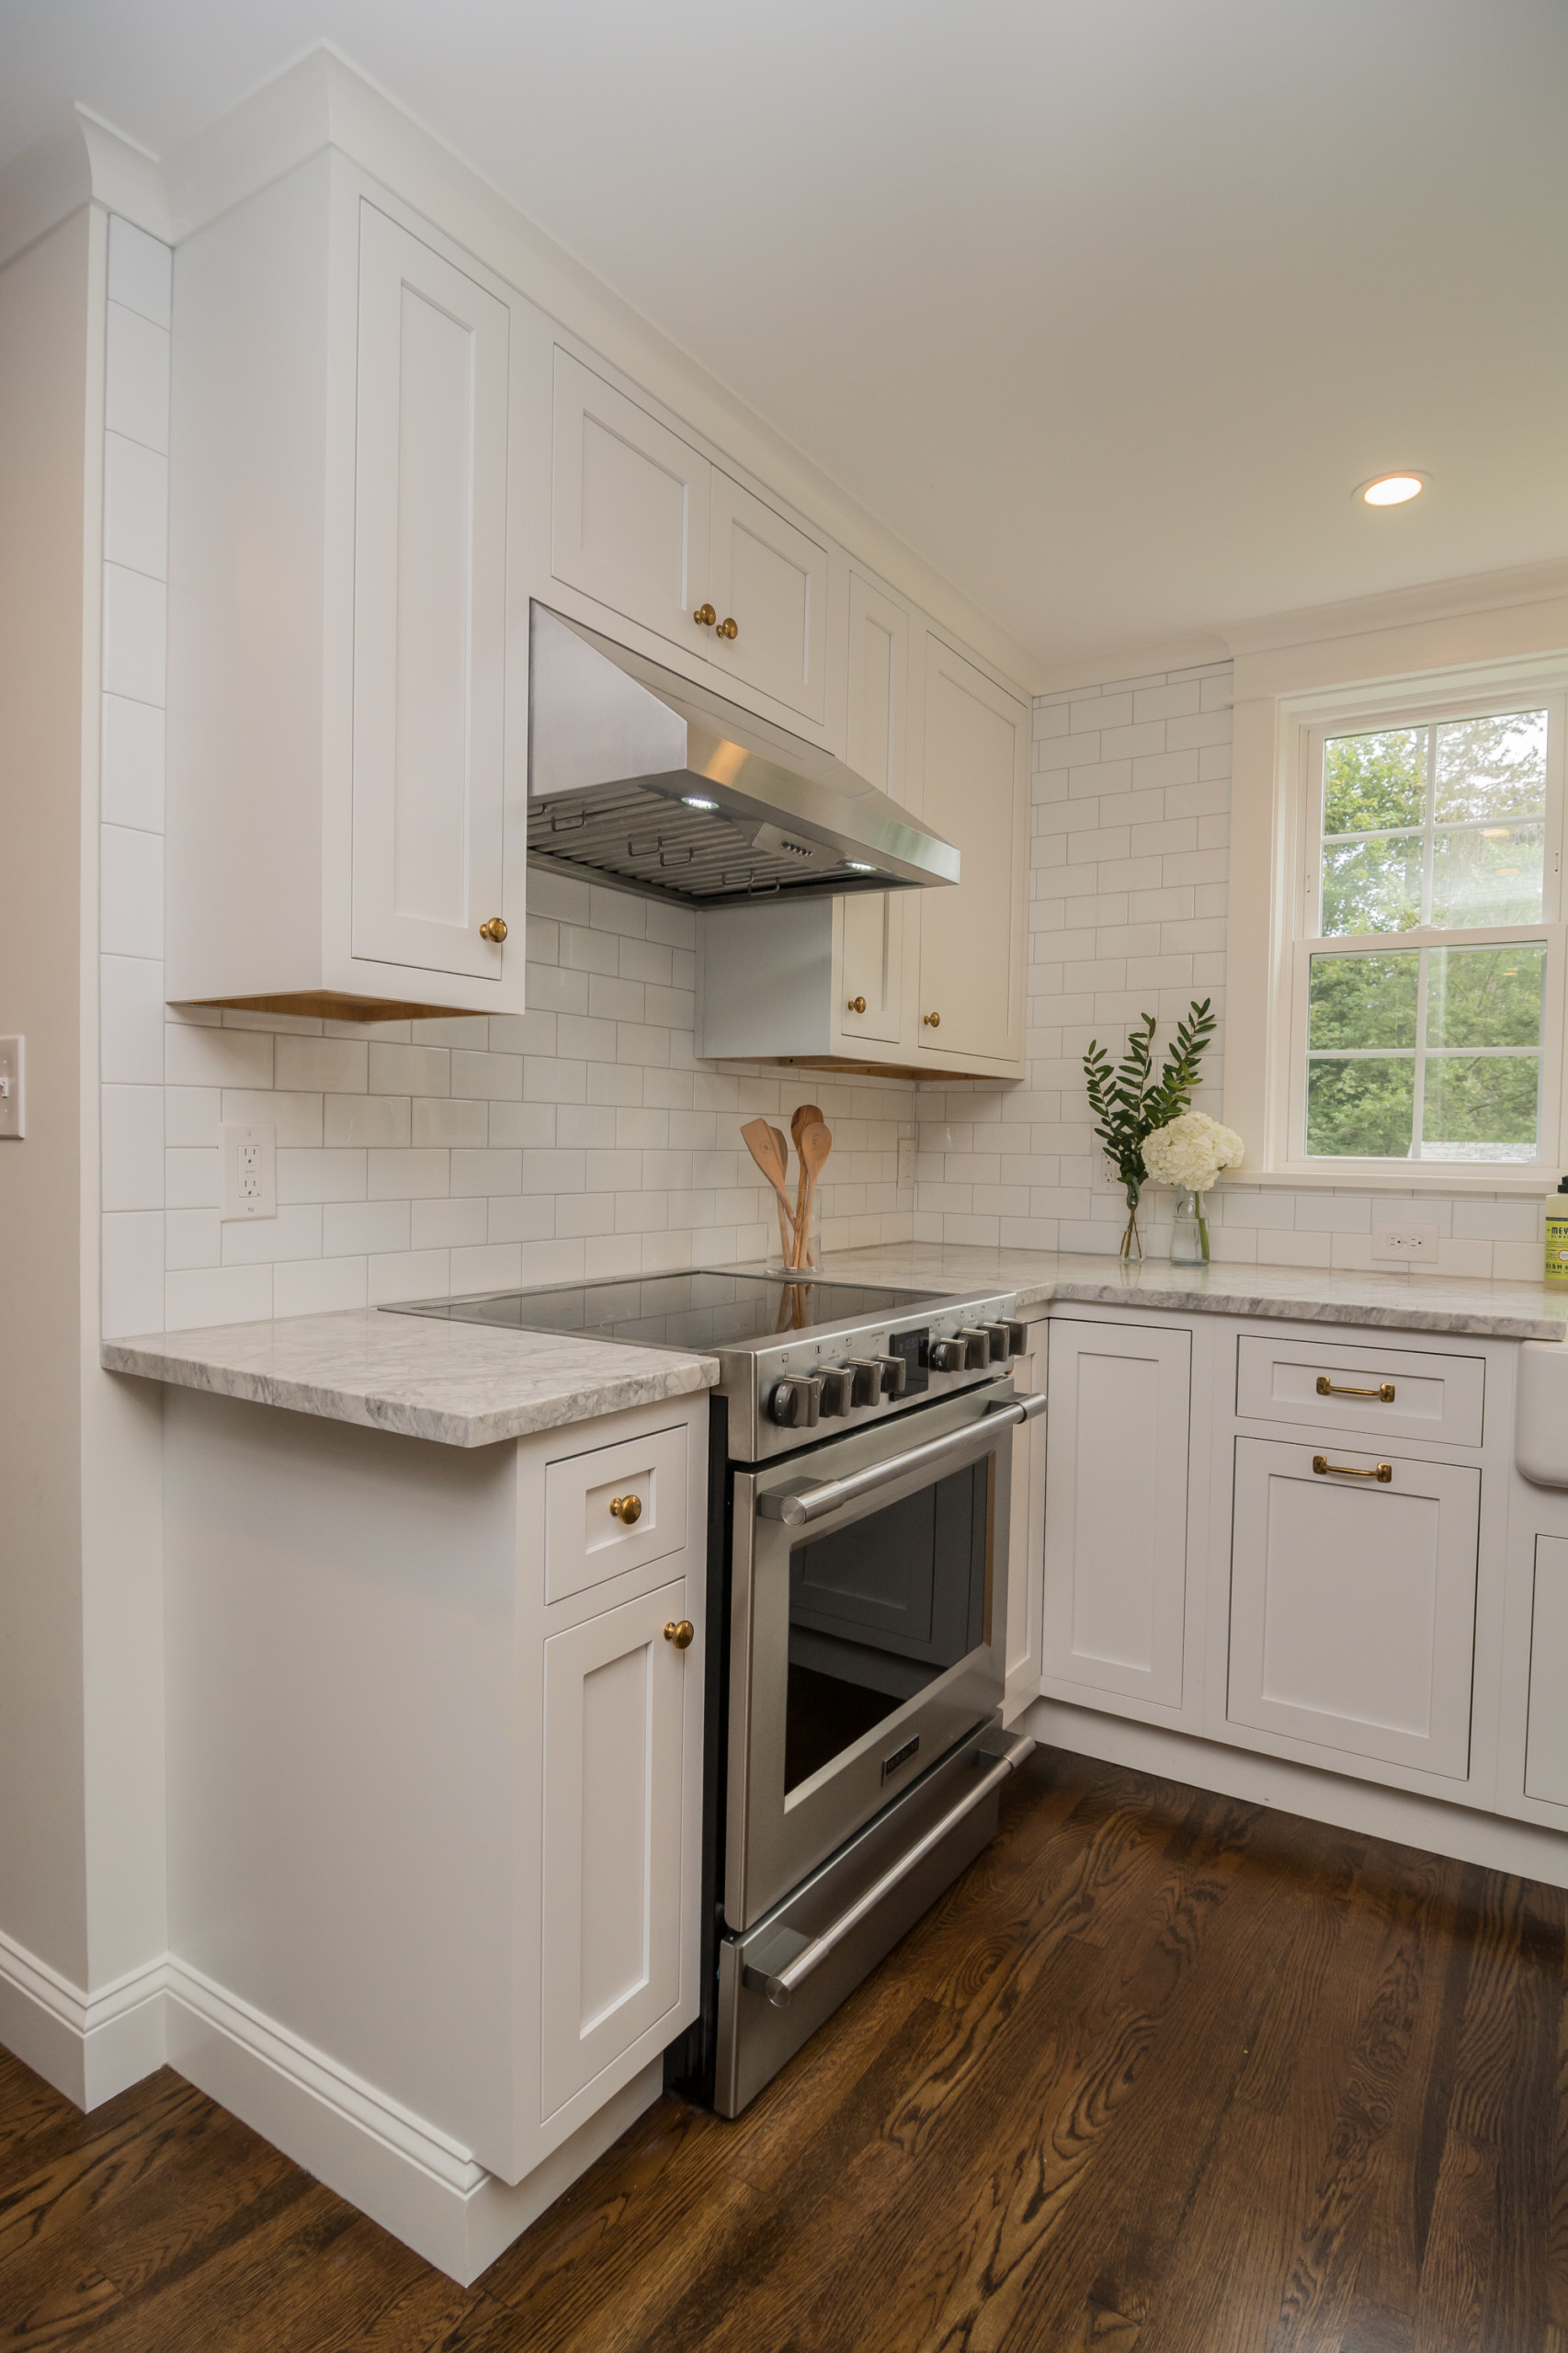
<point x="814" y="1144"/>
<point x="806" y="1116"/>
<point x="766" y="1146"/>
<point x="786" y="1224"/>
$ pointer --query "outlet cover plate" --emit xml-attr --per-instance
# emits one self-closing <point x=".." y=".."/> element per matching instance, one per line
<point x="250" y="1172"/>
<point x="1401" y="1242"/>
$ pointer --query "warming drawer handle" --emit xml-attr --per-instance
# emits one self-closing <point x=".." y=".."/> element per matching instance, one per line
<point x="779" y="1987"/>
<point x="797" y="1506"/>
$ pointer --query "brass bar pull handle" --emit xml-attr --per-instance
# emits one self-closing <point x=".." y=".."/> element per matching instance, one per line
<point x="1383" y="1393"/>
<point x="1327" y="1470"/>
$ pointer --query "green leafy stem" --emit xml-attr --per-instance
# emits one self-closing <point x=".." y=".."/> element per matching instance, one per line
<point x="1129" y="1103"/>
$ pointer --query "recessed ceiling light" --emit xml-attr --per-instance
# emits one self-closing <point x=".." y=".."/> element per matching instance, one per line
<point x="695" y="800"/>
<point x="1392" y="490"/>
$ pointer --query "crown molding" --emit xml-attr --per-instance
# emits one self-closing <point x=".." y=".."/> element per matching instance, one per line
<point x="80" y="160"/>
<point x="1395" y="608"/>
<point x="1198" y="650"/>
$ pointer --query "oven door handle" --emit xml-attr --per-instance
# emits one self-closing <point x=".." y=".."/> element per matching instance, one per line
<point x="780" y="1984"/>
<point x="797" y="1506"/>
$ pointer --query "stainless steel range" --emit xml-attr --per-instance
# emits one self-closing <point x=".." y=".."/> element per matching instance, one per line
<point x="857" y="1595"/>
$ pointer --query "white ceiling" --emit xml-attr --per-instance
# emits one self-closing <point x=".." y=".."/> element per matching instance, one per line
<point x="1106" y="306"/>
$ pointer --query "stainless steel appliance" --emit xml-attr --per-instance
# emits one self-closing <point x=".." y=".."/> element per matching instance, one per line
<point x="857" y="1597"/>
<point x="680" y="794"/>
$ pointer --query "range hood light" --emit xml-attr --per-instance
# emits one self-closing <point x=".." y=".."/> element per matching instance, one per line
<point x="859" y="865"/>
<point x="695" y="800"/>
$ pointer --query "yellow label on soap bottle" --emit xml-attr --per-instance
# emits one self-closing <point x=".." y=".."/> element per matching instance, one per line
<point x="1557" y="1240"/>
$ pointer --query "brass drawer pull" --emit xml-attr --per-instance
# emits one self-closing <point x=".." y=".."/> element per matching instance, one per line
<point x="1383" y="1392"/>
<point x="1326" y="1470"/>
<point x="627" y="1509"/>
<point x="856" y="1005"/>
<point x="681" y="1631"/>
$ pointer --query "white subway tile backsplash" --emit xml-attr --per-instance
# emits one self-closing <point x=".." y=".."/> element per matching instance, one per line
<point x="200" y="1296"/>
<point x="132" y="1276"/>
<point x="131" y="995"/>
<point x="318" y="1287"/>
<point x="135" y="634"/>
<point x="132" y="783"/>
<point x="130" y="893"/>
<point x="141" y="271"/>
<point x="136" y="378"/>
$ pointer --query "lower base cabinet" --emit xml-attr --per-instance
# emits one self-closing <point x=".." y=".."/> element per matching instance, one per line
<point x="1546" y="1739"/>
<point x="1353" y="1602"/>
<point x="614" y="1696"/>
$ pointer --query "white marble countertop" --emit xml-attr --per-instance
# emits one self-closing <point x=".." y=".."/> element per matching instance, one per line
<point x="1394" y="1302"/>
<point x="460" y="1384"/>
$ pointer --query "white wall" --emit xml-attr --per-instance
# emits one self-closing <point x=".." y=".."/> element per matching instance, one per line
<point x="1129" y="891"/>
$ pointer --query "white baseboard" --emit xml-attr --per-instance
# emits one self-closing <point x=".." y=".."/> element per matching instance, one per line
<point x="1531" y="1850"/>
<point x="88" y="2046"/>
<point x="408" y="2176"/>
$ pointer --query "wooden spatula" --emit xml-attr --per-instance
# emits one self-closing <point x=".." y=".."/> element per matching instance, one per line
<point x="814" y="1144"/>
<point x="808" y="1115"/>
<point x="766" y="1146"/>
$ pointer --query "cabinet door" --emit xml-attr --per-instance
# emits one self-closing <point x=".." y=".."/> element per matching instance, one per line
<point x="1353" y="1603"/>
<point x="1546" y="1743"/>
<point x="430" y="607"/>
<point x="770" y="579"/>
<point x="1115" y="1509"/>
<point x="630" y="505"/>
<point x="872" y="958"/>
<point x="616" y="1693"/>
<point x="976" y="796"/>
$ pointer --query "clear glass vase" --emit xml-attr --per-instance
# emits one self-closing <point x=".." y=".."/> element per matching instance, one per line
<point x="1189" y="1231"/>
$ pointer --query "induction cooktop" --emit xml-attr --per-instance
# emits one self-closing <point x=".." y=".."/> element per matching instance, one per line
<point x="705" y="1309"/>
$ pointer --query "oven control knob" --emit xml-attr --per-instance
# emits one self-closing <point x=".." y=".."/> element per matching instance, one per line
<point x="1001" y="1338"/>
<point x="895" y="1375"/>
<point x="949" y="1356"/>
<point x="868" y="1373"/>
<point x="1017" y="1339"/>
<point x="795" y="1403"/>
<point x="838" y="1390"/>
<point x="977" y="1347"/>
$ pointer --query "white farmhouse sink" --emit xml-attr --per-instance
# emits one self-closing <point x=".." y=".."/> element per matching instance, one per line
<point x="1541" y="1426"/>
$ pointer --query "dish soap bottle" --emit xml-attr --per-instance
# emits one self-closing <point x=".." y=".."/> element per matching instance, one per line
<point x="1557" y="1236"/>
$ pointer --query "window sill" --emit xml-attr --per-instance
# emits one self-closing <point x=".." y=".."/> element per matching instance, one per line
<point x="1419" y="1177"/>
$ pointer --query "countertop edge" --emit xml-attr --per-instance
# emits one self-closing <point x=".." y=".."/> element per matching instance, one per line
<point x="1487" y="1323"/>
<point x="396" y="1415"/>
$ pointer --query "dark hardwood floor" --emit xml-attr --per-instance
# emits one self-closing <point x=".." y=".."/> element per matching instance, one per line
<point x="1164" y="2071"/>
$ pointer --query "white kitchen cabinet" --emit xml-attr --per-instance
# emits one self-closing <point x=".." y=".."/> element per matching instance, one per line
<point x="1546" y="1739"/>
<point x="974" y="794"/>
<point x="616" y="1692"/>
<point x="768" y="583"/>
<point x="347" y="627"/>
<point x="629" y="506"/>
<point x="869" y="982"/>
<point x="1115" y="1511"/>
<point x="1353" y="1602"/>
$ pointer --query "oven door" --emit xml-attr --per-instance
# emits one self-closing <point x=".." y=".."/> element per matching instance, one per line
<point x="868" y="1613"/>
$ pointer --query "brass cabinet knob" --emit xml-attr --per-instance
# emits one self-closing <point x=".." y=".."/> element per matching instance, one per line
<point x="856" y="1005"/>
<point x="494" y="930"/>
<point x="681" y="1631"/>
<point x="705" y="617"/>
<point x="728" y="629"/>
<point x="627" y="1509"/>
<point x="932" y="1020"/>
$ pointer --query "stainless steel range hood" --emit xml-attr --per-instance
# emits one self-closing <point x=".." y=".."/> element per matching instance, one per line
<point x="664" y="788"/>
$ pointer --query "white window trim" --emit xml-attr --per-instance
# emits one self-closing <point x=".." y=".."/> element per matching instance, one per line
<point x="1426" y="667"/>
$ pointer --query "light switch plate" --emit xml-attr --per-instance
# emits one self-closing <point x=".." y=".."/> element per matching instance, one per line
<point x="12" y="1072"/>
<point x="250" y="1172"/>
<point x="1400" y="1242"/>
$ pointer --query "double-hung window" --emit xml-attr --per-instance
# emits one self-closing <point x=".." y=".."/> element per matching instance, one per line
<point x="1428" y="981"/>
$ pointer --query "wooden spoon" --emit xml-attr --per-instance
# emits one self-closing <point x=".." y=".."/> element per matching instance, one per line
<point x="815" y="1143"/>
<point x="766" y="1146"/>
<point x="808" y="1115"/>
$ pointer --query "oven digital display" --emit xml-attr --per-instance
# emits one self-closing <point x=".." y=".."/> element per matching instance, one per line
<point x="915" y="1347"/>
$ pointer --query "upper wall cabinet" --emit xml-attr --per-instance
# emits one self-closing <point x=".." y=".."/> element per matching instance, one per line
<point x="347" y="614"/>
<point x="975" y="794"/>
<point x="650" y="528"/>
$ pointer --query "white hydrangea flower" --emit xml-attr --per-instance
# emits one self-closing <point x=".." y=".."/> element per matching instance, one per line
<point x="1191" y="1150"/>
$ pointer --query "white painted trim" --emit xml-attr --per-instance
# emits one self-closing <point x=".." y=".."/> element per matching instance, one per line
<point x="89" y="2046"/>
<point x="1106" y="671"/>
<point x="404" y="2173"/>
<point x="1399" y="609"/>
<point x="80" y="160"/>
<point x="1493" y="1841"/>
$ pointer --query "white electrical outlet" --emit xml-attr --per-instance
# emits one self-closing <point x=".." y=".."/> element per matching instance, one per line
<point x="1107" y="1178"/>
<point x="13" y="1068"/>
<point x="906" y="1164"/>
<point x="250" y="1172"/>
<point x="1403" y="1243"/>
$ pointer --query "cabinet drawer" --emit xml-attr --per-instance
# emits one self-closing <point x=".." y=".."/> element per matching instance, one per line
<point x="1432" y="1396"/>
<point x="584" y="1541"/>
<point x="1353" y="1602"/>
